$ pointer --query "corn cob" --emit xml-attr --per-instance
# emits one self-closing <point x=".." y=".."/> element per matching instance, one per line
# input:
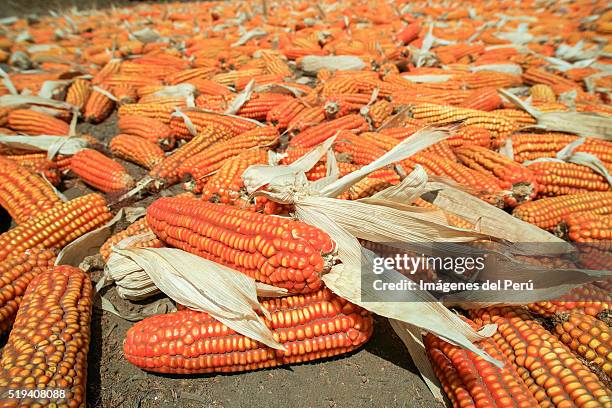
<point x="150" y="110"/>
<point x="379" y="112"/>
<point x="499" y="126"/>
<point x="275" y="64"/>
<point x="229" y="78"/>
<point x="98" y="106"/>
<point x="539" y="76"/>
<point x="588" y="337"/>
<point x="484" y="99"/>
<point x="284" y="112"/>
<point x="511" y="175"/>
<point x="23" y="193"/>
<point x="258" y="106"/>
<point x="136" y="150"/>
<point x="16" y="273"/>
<point x="132" y="80"/>
<point x="482" y="185"/>
<point x="470" y="135"/>
<point x="311" y="327"/>
<point x="100" y="171"/>
<point x="201" y="120"/>
<point x="470" y="381"/>
<point x="541" y="93"/>
<point x="319" y="133"/>
<point x="187" y="75"/>
<point x="124" y="94"/>
<point x="279" y="246"/>
<point x="136" y="228"/>
<point x="78" y="93"/>
<point x="588" y="227"/>
<point x="371" y="184"/>
<point x="548" y="212"/>
<point x="226" y="185"/>
<point x="147" y="128"/>
<point x="201" y="165"/>
<point x="167" y="171"/>
<point x="587" y="299"/>
<point x="38" y="163"/>
<point x="307" y="117"/>
<point x="357" y="149"/>
<point x="320" y="170"/>
<point x="57" y="226"/>
<point x="452" y="219"/>
<point x="554" y="376"/>
<point x="531" y="146"/>
<point x="48" y="345"/>
<point x="519" y="117"/>
<point x="560" y="178"/>
<point x="337" y="106"/>
<point x="31" y="122"/>
<point x="208" y="87"/>
<point x="402" y="132"/>
<point x="4" y="112"/>
<point x="110" y="68"/>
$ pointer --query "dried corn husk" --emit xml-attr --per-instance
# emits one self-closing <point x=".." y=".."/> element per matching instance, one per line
<point x="313" y="63"/>
<point x="49" y="143"/>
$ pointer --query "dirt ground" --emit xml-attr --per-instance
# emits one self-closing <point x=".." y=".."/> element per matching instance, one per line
<point x="379" y="375"/>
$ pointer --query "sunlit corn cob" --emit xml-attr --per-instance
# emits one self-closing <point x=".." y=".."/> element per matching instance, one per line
<point x="275" y="64"/>
<point x="511" y="175"/>
<point x="482" y="185"/>
<point x="541" y="93"/>
<point x="98" y="106"/>
<point x="320" y="170"/>
<point x="470" y="381"/>
<point x="136" y="228"/>
<point x="166" y="172"/>
<point x="319" y="133"/>
<point x="277" y="251"/>
<point x="187" y="75"/>
<point x="15" y="275"/>
<point x="452" y="219"/>
<point x="561" y="178"/>
<point x="281" y="114"/>
<point x="208" y="87"/>
<point x="531" y="146"/>
<point x="201" y="165"/>
<point x="124" y="94"/>
<point x="48" y="345"/>
<point x="229" y="78"/>
<point x="341" y="105"/>
<point x="136" y="150"/>
<point x="378" y="112"/>
<point x="156" y="111"/>
<point x="498" y="125"/>
<point x="548" y="212"/>
<point x="588" y="337"/>
<point x="470" y="135"/>
<point x="258" y="106"/>
<point x="100" y="171"/>
<point x="23" y="193"/>
<point x="40" y="164"/>
<point x="587" y="299"/>
<point x="200" y="120"/>
<point x="401" y="133"/>
<point x="132" y="80"/>
<point x="553" y="374"/>
<point x="306" y="118"/>
<point x="588" y="227"/>
<point x="32" y="122"/>
<point x="56" y="226"/>
<point x="484" y="99"/>
<point x="110" y="68"/>
<point x="311" y="327"/>
<point x="226" y="185"/>
<point x="260" y="80"/>
<point x="357" y="149"/>
<point x="539" y="76"/>
<point x="371" y="184"/>
<point x="78" y="93"/>
<point x="151" y="129"/>
<point x="519" y="117"/>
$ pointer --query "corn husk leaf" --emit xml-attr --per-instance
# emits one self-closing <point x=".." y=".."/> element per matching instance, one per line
<point x="59" y="144"/>
<point x="314" y="63"/>
<point x="242" y="98"/>
<point x="504" y="68"/>
<point x="11" y="100"/>
<point x="582" y="124"/>
<point x="431" y="79"/>
<point x="227" y="295"/>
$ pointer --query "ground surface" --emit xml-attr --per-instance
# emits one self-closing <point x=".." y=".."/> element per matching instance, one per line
<point x="379" y="375"/>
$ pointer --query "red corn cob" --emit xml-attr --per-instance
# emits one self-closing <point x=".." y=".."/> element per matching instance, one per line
<point x="48" y="345"/>
<point x="560" y="178"/>
<point x="319" y="133"/>
<point x="78" y="93"/>
<point x="470" y="381"/>
<point x="31" y="122"/>
<point x="588" y="299"/>
<point x="548" y="212"/>
<point x="281" y="114"/>
<point x="357" y="149"/>
<point x="308" y="117"/>
<point x="512" y="176"/>
<point x="310" y="327"/>
<point x="24" y="193"/>
<point x="136" y="228"/>
<point x="258" y="106"/>
<point x="227" y="235"/>
<point x="470" y="135"/>
<point x="100" y="171"/>
<point x="166" y="173"/>
<point x="152" y="110"/>
<point x="98" y="106"/>
<point x="484" y="99"/>
<point x="136" y="150"/>
<point x="201" y="165"/>
<point x="16" y="273"/>
<point x="57" y="226"/>
<point x="147" y="128"/>
<point x="337" y="106"/>
<point x="201" y="119"/>
<point x="554" y="376"/>
<point x="124" y="94"/>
